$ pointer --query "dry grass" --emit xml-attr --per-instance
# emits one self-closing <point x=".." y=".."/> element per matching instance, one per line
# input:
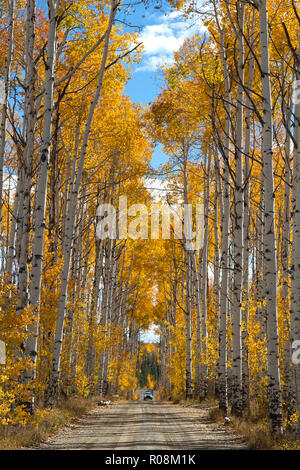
<point x="207" y="403"/>
<point x="67" y="412"/>
<point x="257" y="435"/>
<point x="215" y="414"/>
<point x="76" y="407"/>
<point x="254" y="428"/>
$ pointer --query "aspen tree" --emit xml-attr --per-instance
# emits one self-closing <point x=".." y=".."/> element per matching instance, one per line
<point x="41" y="193"/>
<point x="270" y="270"/>
<point x="6" y="80"/>
<point x="295" y="295"/>
<point x="246" y="238"/>
<point x="204" y="262"/>
<point x="222" y="364"/>
<point x="238" y="216"/>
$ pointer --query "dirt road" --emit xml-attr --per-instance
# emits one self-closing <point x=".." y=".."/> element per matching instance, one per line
<point x="145" y="426"/>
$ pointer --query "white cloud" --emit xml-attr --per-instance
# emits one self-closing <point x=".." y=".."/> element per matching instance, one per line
<point x="171" y="16"/>
<point x="152" y="62"/>
<point x="150" y="335"/>
<point x="157" y="188"/>
<point x="10" y="182"/>
<point x="160" y="39"/>
<point x="165" y="37"/>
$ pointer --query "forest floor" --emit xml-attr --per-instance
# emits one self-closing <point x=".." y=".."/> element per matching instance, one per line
<point x="135" y="425"/>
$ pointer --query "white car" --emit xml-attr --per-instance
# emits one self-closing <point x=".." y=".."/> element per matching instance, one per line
<point x="148" y="395"/>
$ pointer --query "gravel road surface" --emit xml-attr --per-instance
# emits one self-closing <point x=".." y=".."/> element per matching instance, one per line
<point x="145" y="426"/>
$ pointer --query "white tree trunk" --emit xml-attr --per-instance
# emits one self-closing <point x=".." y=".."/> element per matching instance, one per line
<point x="237" y="230"/>
<point x="270" y="271"/>
<point x="41" y="193"/>
<point x="24" y="209"/>
<point x="295" y="297"/>
<point x="203" y="285"/>
<point x="222" y="363"/>
<point x="11" y="6"/>
<point x="246" y="236"/>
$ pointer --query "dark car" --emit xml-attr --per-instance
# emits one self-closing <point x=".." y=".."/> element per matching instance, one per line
<point x="148" y="395"/>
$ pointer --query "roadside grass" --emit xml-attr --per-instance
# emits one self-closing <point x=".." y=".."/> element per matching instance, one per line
<point x="14" y="437"/>
<point x="208" y="402"/>
<point x="254" y="429"/>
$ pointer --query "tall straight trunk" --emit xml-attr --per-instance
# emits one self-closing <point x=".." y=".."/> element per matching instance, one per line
<point x="70" y="179"/>
<point x="11" y="251"/>
<point x="216" y="291"/>
<point x="203" y="287"/>
<point x="188" y="300"/>
<point x="188" y="325"/>
<point x="107" y="284"/>
<point x="40" y="197"/>
<point x="24" y="209"/>
<point x="41" y="191"/>
<point x="90" y="368"/>
<point x="222" y="364"/>
<point x="174" y="295"/>
<point x="111" y="299"/>
<point x="270" y="271"/>
<point x="295" y="297"/>
<point x="11" y="9"/>
<point x="70" y="322"/>
<point x="197" y="381"/>
<point x="53" y="227"/>
<point x="216" y="253"/>
<point x="260" y="285"/>
<point x="106" y="249"/>
<point x="54" y="375"/>
<point x="103" y="323"/>
<point x="237" y="231"/>
<point x="289" y="387"/>
<point x="246" y="240"/>
<point x="166" y="352"/>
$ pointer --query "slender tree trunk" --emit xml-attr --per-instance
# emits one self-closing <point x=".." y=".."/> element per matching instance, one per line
<point x="11" y="252"/>
<point x="188" y="302"/>
<point x="197" y="382"/>
<point x="289" y="387"/>
<point x="237" y="231"/>
<point x="26" y="161"/>
<point x="204" y="334"/>
<point x="222" y="365"/>
<point x="246" y="242"/>
<point x="295" y="296"/>
<point x="40" y="197"/>
<point x="270" y="274"/>
<point x="11" y="9"/>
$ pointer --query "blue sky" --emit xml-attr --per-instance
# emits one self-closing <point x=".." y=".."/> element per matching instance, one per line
<point x="162" y="32"/>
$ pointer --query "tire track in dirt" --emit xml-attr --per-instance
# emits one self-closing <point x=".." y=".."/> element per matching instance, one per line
<point x="145" y="426"/>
